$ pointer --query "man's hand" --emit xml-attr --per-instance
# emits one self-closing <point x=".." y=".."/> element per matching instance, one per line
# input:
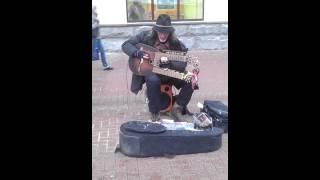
<point x="138" y="54"/>
<point x="141" y="54"/>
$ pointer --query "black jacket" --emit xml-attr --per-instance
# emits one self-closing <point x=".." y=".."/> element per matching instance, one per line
<point x="146" y="37"/>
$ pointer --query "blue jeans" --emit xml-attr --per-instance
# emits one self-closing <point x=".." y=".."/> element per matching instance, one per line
<point x="97" y="48"/>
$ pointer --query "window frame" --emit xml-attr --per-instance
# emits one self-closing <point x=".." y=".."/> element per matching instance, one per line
<point x="173" y="20"/>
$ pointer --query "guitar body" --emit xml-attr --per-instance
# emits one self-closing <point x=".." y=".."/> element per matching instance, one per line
<point x="143" y="67"/>
<point x="139" y="67"/>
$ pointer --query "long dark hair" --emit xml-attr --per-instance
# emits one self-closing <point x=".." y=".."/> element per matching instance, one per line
<point x="172" y="39"/>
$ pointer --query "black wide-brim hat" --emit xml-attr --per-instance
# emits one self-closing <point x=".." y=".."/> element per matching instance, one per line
<point x="163" y="24"/>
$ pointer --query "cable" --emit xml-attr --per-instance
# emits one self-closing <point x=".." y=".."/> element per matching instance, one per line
<point x="127" y="85"/>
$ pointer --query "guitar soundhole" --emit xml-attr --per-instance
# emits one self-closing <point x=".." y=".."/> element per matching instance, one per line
<point x="166" y="88"/>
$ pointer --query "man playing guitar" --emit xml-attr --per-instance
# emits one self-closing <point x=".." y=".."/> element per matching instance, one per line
<point x="161" y="37"/>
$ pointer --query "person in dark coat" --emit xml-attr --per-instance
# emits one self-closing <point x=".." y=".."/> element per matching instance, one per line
<point x="162" y="37"/>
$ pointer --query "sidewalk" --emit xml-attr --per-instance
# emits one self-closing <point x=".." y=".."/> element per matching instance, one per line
<point x="114" y="104"/>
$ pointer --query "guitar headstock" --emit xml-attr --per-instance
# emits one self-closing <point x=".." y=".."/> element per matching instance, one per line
<point x="193" y="60"/>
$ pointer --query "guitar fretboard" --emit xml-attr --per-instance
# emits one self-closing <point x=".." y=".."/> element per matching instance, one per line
<point x="168" y="72"/>
<point x="172" y="57"/>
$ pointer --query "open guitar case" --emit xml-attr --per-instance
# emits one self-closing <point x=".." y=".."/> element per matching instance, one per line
<point x="144" y="139"/>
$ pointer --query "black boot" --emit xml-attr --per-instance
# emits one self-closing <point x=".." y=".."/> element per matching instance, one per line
<point x="177" y="112"/>
<point x="155" y="117"/>
<point x="185" y="110"/>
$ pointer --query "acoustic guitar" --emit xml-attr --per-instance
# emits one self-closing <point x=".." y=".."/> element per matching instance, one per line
<point x="145" y="66"/>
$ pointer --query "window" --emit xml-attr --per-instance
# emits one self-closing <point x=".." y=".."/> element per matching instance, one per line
<point x="178" y="10"/>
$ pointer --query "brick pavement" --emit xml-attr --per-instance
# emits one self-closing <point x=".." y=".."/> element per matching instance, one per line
<point x="113" y="104"/>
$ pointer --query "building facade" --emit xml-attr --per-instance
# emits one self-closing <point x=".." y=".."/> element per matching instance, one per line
<point x="200" y="24"/>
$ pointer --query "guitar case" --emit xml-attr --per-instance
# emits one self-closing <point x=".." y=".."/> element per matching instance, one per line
<point x="145" y="139"/>
<point x="219" y="113"/>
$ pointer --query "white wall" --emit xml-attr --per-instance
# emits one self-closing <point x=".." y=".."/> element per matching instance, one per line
<point x="216" y="10"/>
<point x="111" y="11"/>
<point x="114" y="11"/>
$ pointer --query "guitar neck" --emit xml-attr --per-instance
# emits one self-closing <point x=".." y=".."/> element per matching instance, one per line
<point x="168" y="72"/>
<point x="172" y="57"/>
